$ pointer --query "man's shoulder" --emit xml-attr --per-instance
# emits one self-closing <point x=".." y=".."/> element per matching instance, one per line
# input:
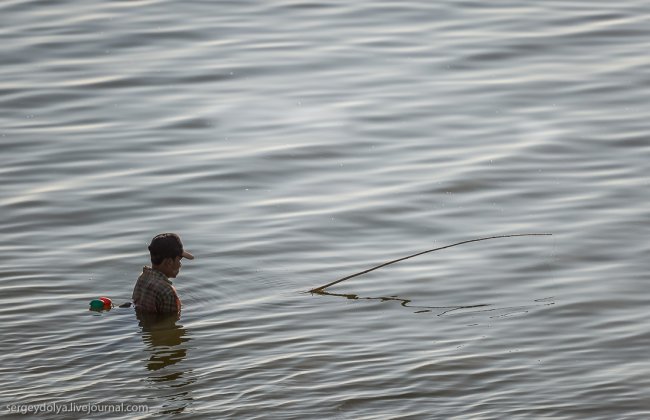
<point x="153" y="289"/>
<point x="150" y="275"/>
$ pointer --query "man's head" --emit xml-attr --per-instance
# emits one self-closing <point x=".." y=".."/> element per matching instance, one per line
<point x="166" y="252"/>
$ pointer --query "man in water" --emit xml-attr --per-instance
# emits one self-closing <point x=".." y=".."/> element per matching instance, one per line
<point x="154" y="291"/>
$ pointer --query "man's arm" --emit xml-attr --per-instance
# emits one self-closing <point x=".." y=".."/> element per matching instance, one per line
<point x="166" y="302"/>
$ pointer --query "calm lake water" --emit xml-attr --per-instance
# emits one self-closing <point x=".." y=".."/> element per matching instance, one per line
<point x="291" y="143"/>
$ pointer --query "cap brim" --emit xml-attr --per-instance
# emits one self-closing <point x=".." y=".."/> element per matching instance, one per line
<point x="188" y="255"/>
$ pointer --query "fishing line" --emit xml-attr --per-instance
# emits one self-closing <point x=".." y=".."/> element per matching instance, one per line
<point x="321" y="289"/>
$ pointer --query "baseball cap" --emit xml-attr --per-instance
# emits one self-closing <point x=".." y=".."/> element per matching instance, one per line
<point x="168" y="245"/>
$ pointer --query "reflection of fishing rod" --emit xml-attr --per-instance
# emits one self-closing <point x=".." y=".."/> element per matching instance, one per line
<point x="321" y="289"/>
<point x="405" y="302"/>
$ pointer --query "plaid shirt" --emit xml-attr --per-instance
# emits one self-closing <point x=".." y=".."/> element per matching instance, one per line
<point x="154" y="292"/>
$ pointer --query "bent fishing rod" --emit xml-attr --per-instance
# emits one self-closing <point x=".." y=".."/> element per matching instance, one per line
<point x="321" y="289"/>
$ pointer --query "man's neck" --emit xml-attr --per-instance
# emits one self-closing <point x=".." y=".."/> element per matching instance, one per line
<point x="161" y="270"/>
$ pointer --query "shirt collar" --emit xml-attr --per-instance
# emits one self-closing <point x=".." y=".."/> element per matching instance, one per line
<point x="156" y="274"/>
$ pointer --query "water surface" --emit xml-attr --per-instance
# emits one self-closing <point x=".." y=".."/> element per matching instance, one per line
<point x="291" y="143"/>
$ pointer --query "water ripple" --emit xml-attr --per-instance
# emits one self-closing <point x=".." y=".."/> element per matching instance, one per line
<point x="291" y="143"/>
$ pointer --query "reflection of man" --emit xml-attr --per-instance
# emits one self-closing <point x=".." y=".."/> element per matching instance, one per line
<point x="154" y="291"/>
<point x="164" y="339"/>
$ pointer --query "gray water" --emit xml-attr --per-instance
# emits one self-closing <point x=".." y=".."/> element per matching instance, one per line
<point x="291" y="143"/>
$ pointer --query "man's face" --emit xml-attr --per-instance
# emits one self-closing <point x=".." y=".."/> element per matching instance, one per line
<point x="172" y="266"/>
<point x="176" y="267"/>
